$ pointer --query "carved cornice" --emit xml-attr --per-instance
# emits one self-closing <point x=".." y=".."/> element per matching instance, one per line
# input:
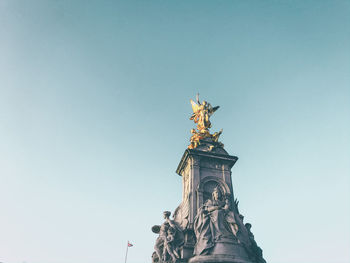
<point x="230" y="160"/>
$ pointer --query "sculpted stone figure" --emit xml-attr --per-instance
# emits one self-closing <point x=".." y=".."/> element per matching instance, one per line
<point x="230" y="218"/>
<point x="212" y="223"/>
<point x="246" y="238"/>
<point x="256" y="250"/>
<point x="169" y="240"/>
<point x="169" y="246"/>
<point x="217" y="222"/>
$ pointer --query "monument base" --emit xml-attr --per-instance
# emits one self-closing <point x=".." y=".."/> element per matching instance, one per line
<point x="224" y="252"/>
<point x="217" y="259"/>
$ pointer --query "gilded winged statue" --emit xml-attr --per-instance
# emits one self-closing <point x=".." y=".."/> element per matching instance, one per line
<point x="201" y="116"/>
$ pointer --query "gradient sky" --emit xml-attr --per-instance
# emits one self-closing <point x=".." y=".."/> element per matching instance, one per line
<point x="94" y="119"/>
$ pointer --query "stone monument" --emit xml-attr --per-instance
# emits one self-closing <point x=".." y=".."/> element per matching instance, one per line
<point x="207" y="225"/>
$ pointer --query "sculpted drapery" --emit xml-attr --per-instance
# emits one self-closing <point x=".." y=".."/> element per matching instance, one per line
<point x="212" y="224"/>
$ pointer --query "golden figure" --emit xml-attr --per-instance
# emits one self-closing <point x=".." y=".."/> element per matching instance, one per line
<point x="216" y="136"/>
<point x="194" y="139"/>
<point x="201" y="116"/>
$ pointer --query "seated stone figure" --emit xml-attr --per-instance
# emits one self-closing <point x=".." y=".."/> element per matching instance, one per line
<point x="213" y="223"/>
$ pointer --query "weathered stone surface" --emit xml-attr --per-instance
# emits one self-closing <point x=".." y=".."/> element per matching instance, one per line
<point x="208" y="217"/>
<point x="168" y="242"/>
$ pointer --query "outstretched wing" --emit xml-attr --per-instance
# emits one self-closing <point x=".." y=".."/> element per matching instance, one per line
<point x="195" y="109"/>
<point x="213" y="109"/>
<point x="195" y="106"/>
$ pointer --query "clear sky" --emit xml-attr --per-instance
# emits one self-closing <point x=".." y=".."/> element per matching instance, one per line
<point x="94" y="119"/>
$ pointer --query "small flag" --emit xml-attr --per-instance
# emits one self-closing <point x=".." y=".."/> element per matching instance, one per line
<point x="129" y="244"/>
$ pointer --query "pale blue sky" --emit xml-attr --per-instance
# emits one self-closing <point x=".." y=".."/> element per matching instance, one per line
<point x="94" y="108"/>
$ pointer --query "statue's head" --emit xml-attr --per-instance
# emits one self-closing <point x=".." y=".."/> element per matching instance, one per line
<point x="248" y="226"/>
<point x="166" y="214"/>
<point x="216" y="193"/>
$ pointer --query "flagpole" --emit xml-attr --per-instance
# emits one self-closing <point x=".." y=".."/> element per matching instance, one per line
<point x="126" y="254"/>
